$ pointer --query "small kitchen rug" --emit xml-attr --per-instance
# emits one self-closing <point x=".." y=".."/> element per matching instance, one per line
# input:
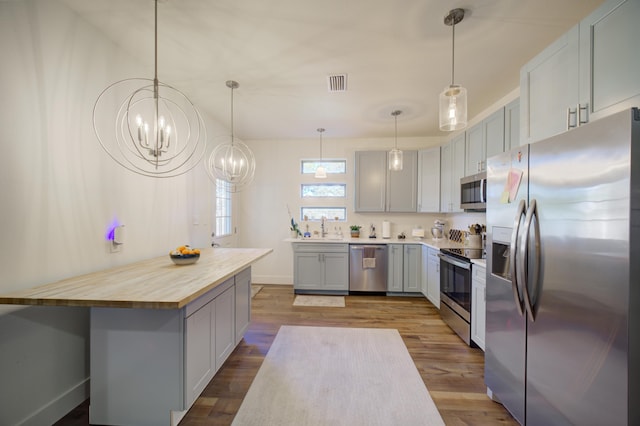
<point x="255" y="289"/>
<point x="340" y="377"/>
<point x="328" y="301"/>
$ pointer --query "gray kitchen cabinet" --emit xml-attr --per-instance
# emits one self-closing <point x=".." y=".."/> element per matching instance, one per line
<point x="548" y="87"/>
<point x="429" y="180"/>
<point x="395" y="268"/>
<point x="424" y="282"/>
<point x="378" y="189"/>
<point x="433" y="278"/>
<point x="452" y="169"/>
<point x="484" y="140"/>
<point x="321" y="268"/>
<point x="243" y="303"/>
<point x="200" y="349"/>
<point x="209" y="335"/>
<point x="225" y="333"/>
<point x="589" y="72"/>
<point x="412" y="264"/>
<point x="370" y="181"/>
<point x="478" y="304"/>
<point x="511" y="125"/>
<point x="404" y="268"/>
<point x="609" y="60"/>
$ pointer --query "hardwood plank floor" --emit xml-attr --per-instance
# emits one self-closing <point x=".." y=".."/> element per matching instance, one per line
<point x="452" y="371"/>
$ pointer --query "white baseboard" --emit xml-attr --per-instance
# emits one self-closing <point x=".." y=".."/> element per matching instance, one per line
<point x="272" y="279"/>
<point x="59" y="407"/>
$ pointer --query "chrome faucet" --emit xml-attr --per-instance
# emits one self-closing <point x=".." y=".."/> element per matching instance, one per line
<point x="323" y="227"/>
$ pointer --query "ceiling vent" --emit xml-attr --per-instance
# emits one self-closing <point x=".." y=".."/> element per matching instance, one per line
<point x="337" y="83"/>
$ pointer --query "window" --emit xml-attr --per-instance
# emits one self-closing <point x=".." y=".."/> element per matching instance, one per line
<point x="331" y="166"/>
<point x="316" y="213"/>
<point x="311" y="190"/>
<point x="223" y="209"/>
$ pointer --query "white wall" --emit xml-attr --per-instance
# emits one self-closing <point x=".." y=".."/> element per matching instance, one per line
<point x="264" y="220"/>
<point x="60" y="191"/>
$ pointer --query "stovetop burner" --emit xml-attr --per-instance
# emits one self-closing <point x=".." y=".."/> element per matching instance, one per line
<point x="465" y="253"/>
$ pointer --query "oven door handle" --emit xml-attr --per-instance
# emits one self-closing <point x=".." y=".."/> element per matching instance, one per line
<point x="453" y="261"/>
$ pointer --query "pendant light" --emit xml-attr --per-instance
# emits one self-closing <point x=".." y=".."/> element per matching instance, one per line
<point x="453" y="100"/>
<point x="155" y="130"/>
<point x="232" y="162"/>
<point x="395" y="155"/>
<point x="321" y="173"/>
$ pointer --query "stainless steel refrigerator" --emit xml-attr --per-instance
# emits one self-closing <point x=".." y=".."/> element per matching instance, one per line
<point x="563" y="276"/>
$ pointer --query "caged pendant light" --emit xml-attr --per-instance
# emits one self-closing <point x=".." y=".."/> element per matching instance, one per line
<point x="232" y="162"/>
<point x="395" y="155"/>
<point x="154" y="129"/>
<point x="453" y="100"/>
<point x="321" y="172"/>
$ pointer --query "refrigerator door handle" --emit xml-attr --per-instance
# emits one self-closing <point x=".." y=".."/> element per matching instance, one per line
<point x="513" y="270"/>
<point x="530" y="302"/>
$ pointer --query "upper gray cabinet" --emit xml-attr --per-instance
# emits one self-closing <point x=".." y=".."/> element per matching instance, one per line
<point x="512" y="125"/>
<point x="484" y="140"/>
<point x="609" y="59"/>
<point x="590" y="72"/>
<point x="379" y="189"/>
<point x="429" y="180"/>
<point x="452" y="167"/>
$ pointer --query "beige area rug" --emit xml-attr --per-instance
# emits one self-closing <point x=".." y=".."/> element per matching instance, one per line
<point x="330" y="301"/>
<point x="255" y="289"/>
<point x="337" y="376"/>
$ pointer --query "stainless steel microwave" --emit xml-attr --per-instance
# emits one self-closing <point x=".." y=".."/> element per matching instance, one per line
<point x="473" y="192"/>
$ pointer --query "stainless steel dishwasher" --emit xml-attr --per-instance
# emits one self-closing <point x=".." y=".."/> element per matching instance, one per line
<point x="368" y="267"/>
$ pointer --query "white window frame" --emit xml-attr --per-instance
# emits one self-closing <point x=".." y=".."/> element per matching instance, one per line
<point x="223" y="210"/>
<point x="303" y="185"/>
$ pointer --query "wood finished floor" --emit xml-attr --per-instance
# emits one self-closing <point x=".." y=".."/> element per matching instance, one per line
<point x="452" y="371"/>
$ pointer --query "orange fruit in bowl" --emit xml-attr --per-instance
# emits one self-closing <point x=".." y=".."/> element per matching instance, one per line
<point x="196" y="251"/>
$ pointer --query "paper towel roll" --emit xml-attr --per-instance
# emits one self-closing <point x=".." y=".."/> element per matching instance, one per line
<point x="386" y="229"/>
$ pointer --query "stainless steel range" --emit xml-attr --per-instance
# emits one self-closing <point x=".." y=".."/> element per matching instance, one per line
<point x="455" y="289"/>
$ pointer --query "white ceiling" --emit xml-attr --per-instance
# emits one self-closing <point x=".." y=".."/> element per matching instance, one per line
<point x="396" y="53"/>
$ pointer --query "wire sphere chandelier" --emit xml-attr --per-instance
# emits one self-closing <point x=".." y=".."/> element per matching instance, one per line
<point x="232" y="162"/>
<point x="155" y="130"/>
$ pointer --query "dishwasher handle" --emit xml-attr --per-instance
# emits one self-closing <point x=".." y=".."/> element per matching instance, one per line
<point x="369" y="246"/>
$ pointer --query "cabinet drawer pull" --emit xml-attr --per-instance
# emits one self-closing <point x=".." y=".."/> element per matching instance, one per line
<point x="579" y="119"/>
<point x="571" y="112"/>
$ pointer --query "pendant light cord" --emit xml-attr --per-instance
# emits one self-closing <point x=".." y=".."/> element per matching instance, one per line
<point x="395" y="117"/>
<point x="232" y="114"/>
<point x="453" y="52"/>
<point x="155" y="71"/>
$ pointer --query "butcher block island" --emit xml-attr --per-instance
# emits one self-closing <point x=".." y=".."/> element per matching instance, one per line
<point x="159" y="331"/>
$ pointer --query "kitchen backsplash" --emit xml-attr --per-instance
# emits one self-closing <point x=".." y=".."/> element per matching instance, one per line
<point x="399" y="223"/>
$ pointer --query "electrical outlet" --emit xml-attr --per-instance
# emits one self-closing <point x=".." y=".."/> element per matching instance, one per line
<point x="114" y="248"/>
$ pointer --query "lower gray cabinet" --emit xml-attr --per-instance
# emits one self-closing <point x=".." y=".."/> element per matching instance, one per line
<point x="404" y="268"/>
<point x="210" y="337"/>
<point x="433" y="277"/>
<point x="412" y="268"/>
<point x="320" y="267"/>
<point x="225" y="333"/>
<point x="395" y="269"/>
<point x="243" y="303"/>
<point x="478" y="304"/>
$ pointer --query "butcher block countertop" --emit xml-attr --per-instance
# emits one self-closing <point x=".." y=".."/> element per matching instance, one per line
<point x="149" y="284"/>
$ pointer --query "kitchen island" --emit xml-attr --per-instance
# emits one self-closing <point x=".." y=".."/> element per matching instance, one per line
<point x="159" y="331"/>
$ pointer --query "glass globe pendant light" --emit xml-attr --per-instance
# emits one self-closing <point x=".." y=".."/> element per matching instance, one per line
<point x="321" y="172"/>
<point x="453" y="99"/>
<point x="232" y="162"/>
<point x="155" y="130"/>
<point x="395" y="155"/>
